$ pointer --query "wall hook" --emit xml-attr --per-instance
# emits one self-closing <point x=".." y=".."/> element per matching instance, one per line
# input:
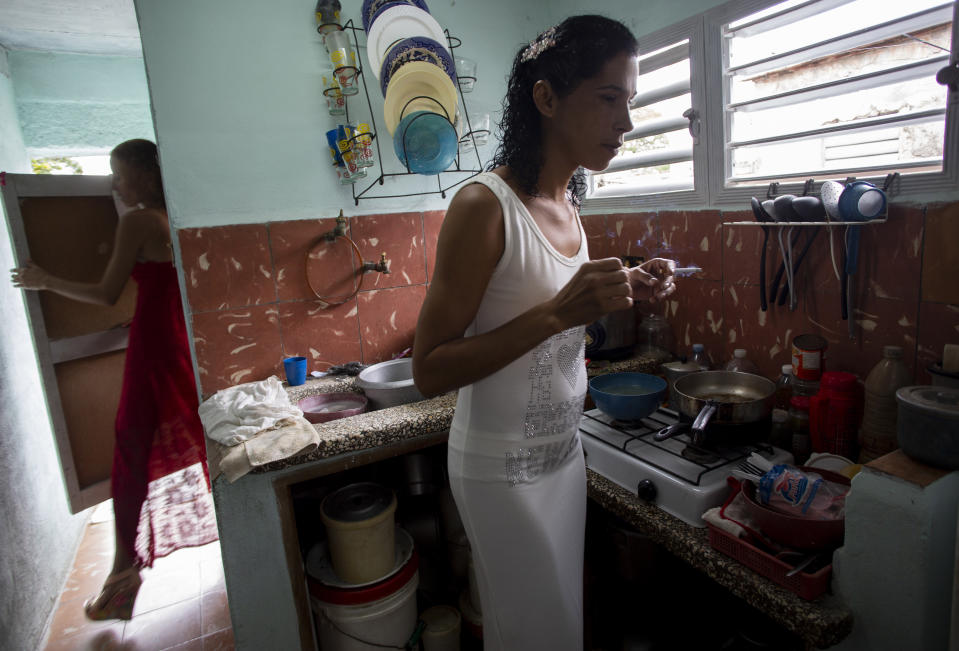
<point x="772" y="190"/>
<point x="807" y="187"/>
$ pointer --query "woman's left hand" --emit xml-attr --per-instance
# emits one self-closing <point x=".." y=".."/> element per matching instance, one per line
<point x="29" y="276"/>
<point x="653" y="279"/>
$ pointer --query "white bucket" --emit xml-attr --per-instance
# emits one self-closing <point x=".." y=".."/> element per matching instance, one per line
<point x="359" y="619"/>
<point x="442" y="631"/>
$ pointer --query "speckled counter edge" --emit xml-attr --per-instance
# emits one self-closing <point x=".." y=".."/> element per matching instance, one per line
<point x="822" y="622"/>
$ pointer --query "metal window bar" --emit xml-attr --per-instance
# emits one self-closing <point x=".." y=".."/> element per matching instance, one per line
<point x="860" y="171"/>
<point x="929" y="18"/>
<point x="660" y="93"/>
<point x="787" y="16"/>
<point x="649" y="159"/>
<point x="656" y="127"/>
<point x="907" y="72"/>
<point x="665" y="57"/>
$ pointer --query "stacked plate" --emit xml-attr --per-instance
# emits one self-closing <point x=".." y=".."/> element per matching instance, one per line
<point x="407" y="53"/>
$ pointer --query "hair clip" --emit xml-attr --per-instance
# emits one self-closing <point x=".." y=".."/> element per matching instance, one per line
<point x="542" y="43"/>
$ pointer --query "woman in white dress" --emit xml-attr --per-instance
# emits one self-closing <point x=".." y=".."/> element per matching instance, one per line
<point x="503" y="322"/>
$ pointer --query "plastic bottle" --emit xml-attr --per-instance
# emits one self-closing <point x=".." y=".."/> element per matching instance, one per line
<point x="807" y="388"/>
<point x="799" y="425"/>
<point x="879" y="429"/>
<point x="784" y="388"/>
<point x="780" y="434"/>
<point x="700" y="358"/>
<point x="741" y="363"/>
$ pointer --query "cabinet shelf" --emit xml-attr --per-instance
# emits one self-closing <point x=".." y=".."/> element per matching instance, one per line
<point x="460" y="172"/>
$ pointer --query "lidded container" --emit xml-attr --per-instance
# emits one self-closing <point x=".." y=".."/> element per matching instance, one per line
<point x="360" y="530"/>
<point x="928" y="425"/>
<point x="740" y="363"/>
<point x="700" y="358"/>
<point x="654" y="338"/>
<point x="880" y="410"/>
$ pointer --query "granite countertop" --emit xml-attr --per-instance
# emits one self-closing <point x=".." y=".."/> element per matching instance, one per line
<point x="821" y="623"/>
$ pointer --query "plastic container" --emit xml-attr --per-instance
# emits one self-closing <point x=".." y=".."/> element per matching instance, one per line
<point x="809" y="356"/>
<point x="654" y="338"/>
<point x="799" y="427"/>
<point x="835" y="413"/>
<point x="784" y="388"/>
<point x="880" y="409"/>
<point x="929" y="424"/>
<point x="700" y="358"/>
<point x="360" y="530"/>
<point x="365" y="619"/>
<point x="442" y="632"/>
<point x="740" y="363"/>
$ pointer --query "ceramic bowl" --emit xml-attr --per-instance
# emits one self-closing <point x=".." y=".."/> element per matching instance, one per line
<point x="627" y="396"/>
<point x="418" y="48"/>
<point x="330" y="406"/>
<point x="425" y="142"/>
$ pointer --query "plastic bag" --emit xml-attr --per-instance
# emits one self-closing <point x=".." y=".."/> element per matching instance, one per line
<point x="806" y="494"/>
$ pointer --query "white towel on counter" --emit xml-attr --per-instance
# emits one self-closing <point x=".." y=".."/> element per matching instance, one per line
<point x="287" y="438"/>
<point x="236" y="414"/>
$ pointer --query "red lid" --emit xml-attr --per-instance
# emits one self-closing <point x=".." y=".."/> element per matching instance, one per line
<point x="368" y="593"/>
<point x="800" y="402"/>
<point x="838" y="381"/>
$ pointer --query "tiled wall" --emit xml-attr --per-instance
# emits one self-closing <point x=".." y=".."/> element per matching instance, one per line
<point x="252" y="305"/>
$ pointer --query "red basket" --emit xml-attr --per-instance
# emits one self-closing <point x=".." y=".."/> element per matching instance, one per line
<point x="807" y="586"/>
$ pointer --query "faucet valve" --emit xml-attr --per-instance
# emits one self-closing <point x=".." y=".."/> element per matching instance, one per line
<point x="383" y="266"/>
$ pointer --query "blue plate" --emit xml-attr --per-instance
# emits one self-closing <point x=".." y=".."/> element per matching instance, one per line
<point x="416" y="48"/>
<point x="627" y="396"/>
<point x="425" y="142"/>
<point x="373" y="8"/>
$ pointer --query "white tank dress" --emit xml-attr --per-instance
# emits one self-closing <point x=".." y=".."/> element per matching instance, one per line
<point x="516" y="466"/>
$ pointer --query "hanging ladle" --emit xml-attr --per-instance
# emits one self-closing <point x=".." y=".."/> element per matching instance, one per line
<point x="763" y="217"/>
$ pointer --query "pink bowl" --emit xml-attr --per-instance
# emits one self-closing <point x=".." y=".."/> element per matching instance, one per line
<point x="330" y="406"/>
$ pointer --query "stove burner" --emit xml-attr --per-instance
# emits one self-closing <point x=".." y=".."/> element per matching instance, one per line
<point x="699" y="455"/>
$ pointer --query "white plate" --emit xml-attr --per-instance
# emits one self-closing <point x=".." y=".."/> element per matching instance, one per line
<point x="320" y="567"/>
<point x="395" y="24"/>
<point x="418" y="79"/>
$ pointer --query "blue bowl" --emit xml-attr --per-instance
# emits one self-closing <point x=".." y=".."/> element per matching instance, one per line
<point x="373" y="8"/>
<point x="627" y="396"/>
<point x="416" y="48"/>
<point x="425" y="142"/>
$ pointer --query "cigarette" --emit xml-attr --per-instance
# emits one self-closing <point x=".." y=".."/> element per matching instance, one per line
<point x="686" y="271"/>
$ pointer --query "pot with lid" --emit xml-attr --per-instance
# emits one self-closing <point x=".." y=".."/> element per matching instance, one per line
<point x="360" y="529"/>
<point x="928" y="424"/>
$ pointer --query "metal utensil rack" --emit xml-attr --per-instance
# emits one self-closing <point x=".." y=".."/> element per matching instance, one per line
<point x="459" y="168"/>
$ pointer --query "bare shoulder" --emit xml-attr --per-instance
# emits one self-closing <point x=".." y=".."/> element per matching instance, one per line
<point x="473" y="211"/>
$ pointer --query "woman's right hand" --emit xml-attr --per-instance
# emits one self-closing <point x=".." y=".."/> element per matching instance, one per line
<point x="29" y="276"/>
<point x="598" y="287"/>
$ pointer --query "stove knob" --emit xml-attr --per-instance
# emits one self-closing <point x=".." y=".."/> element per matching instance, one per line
<point x="646" y="490"/>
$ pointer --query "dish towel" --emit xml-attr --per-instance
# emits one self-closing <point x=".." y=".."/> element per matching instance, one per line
<point x="254" y="424"/>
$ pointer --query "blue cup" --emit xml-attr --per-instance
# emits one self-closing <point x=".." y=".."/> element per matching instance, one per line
<point x="295" y="368"/>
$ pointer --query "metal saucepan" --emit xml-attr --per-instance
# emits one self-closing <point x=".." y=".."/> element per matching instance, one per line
<point x="719" y="397"/>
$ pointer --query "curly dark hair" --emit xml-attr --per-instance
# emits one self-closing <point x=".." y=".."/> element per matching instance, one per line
<point x="142" y="157"/>
<point x="565" y="56"/>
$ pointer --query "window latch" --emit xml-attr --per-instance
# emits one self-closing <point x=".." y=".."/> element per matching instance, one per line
<point x="692" y="115"/>
<point x="949" y="76"/>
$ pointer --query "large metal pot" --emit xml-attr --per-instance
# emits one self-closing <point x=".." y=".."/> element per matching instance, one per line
<point x="723" y="398"/>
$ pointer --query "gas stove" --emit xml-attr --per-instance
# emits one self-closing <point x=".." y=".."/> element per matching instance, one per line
<point x="678" y="477"/>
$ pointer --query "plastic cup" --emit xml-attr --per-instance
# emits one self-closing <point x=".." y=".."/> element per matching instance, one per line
<point x="295" y="368"/>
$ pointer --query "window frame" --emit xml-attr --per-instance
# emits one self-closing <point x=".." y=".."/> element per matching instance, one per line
<point x="709" y="98"/>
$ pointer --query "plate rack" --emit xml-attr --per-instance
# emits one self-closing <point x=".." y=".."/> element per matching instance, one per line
<point x="445" y="180"/>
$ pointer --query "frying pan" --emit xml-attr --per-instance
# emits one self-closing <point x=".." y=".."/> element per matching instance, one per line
<point x="720" y="397"/>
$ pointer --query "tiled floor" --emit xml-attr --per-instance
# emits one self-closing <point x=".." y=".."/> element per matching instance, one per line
<point x="182" y="603"/>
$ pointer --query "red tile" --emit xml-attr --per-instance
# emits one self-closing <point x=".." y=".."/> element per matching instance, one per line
<point x="938" y="325"/>
<point x="400" y="237"/>
<point x="237" y="346"/>
<point x="940" y="261"/>
<point x="388" y="321"/>
<point x="167" y="585"/>
<point x="634" y="234"/>
<point x="227" y="266"/>
<point x="596" y="238"/>
<point x="69" y="620"/>
<point x="214" y="612"/>
<point x="432" y="221"/>
<point x="219" y="641"/>
<point x="695" y="313"/>
<point x="165" y="627"/>
<point x="742" y="251"/>
<point x="88" y="638"/>
<point x="324" y="336"/>
<point x="693" y="238"/>
<point x="299" y="247"/>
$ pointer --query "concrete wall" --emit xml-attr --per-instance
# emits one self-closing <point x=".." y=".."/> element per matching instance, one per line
<point x="79" y="104"/>
<point x="38" y="535"/>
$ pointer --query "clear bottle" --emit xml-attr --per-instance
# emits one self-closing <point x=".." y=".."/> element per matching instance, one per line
<point x="700" y="358"/>
<point x="784" y="388"/>
<point x="780" y="433"/>
<point x="741" y="363"/>
<point x="799" y="426"/>
<point x="878" y="435"/>
<point x="806" y="388"/>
